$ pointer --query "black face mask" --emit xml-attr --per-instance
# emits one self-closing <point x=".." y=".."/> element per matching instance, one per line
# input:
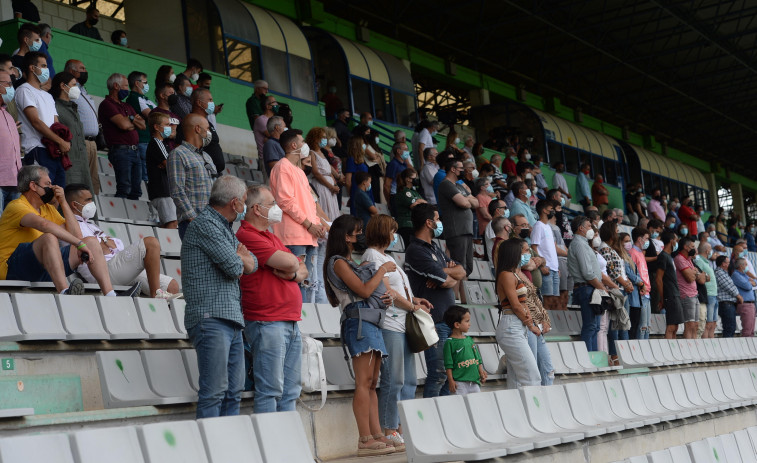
<point x="550" y="216"/>
<point x="525" y="233"/>
<point x="93" y="22"/>
<point x="416" y="182"/>
<point x="692" y="253"/>
<point x="308" y="170"/>
<point x="172" y="99"/>
<point x="83" y="76"/>
<point x="49" y="194"/>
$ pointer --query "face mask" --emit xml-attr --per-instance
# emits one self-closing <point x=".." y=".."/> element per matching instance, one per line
<point x="363" y="146"/>
<point x="692" y="253"/>
<point x="188" y="91"/>
<point x="646" y="245"/>
<point x="713" y="234"/>
<point x="369" y="187"/>
<point x="524" y="233"/>
<point x="751" y="230"/>
<point x="124" y="41"/>
<point x="83" y="76"/>
<point x="528" y="193"/>
<point x="655" y="235"/>
<point x="323" y="143"/>
<point x="529" y="176"/>
<point x="551" y="216"/>
<point x="528" y="156"/>
<point x="590" y="234"/>
<point x="122" y="94"/>
<point x="457" y="141"/>
<point x="474" y="173"/>
<point x="506" y="214"/>
<point x="172" y="78"/>
<point x="332" y="142"/>
<point x="195" y="76"/>
<point x="49" y="194"/>
<point x="207" y="138"/>
<point x="742" y="254"/>
<point x="675" y="247"/>
<point x="44" y="75"/>
<point x="172" y="99"/>
<point x="240" y="215"/>
<point x="211" y="107"/>
<point x="304" y="151"/>
<point x="145" y="89"/>
<point x="439" y="229"/>
<point x="684" y="231"/>
<point x="275" y="214"/>
<point x="709" y="254"/>
<point x="524" y="259"/>
<point x="89" y="210"/>
<point x="167" y="131"/>
<point x="672" y="226"/>
<point x="489" y="189"/>
<point x="36" y="45"/>
<point x="596" y="242"/>
<point x="562" y="202"/>
<point x="627" y="246"/>
<point x="10" y="92"/>
<point x="74" y="93"/>
<point x="395" y="239"/>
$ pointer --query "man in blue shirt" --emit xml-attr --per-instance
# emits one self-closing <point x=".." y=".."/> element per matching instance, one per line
<point x="583" y="191"/>
<point x="213" y="261"/>
<point x="520" y="204"/>
<point x="400" y="155"/>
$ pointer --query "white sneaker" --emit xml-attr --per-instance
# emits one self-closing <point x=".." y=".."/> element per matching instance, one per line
<point x="399" y="442"/>
<point x="160" y="294"/>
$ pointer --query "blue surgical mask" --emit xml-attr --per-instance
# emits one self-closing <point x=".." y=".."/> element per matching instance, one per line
<point x="684" y="231"/>
<point x="240" y="215"/>
<point x="439" y="229"/>
<point x="395" y="239"/>
<point x="709" y="254"/>
<point x="370" y="123"/>
<point x="562" y="201"/>
<point x="742" y="254"/>
<point x="405" y="155"/>
<point x="166" y="131"/>
<point x="363" y="146"/>
<point x="10" y="92"/>
<point x="324" y="142"/>
<point x="507" y="214"/>
<point x="188" y="91"/>
<point x="145" y="89"/>
<point x="489" y="189"/>
<point x="528" y="193"/>
<point x="124" y="41"/>
<point x="524" y="259"/>
<point x="369" y="188"/>
<point x="672" y="226"/>
<point x="655" y="235"/>
<point x="44" y="75"/>
<point x="211" y="108"/>
<point x="36" y="45"/>
<point x="646" y="245"/>
<point x="675" y="247"/>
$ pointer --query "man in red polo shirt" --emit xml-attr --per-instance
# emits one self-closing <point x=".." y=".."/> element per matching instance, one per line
<point x="689" y="217"/>
<point x="272" y="306"/>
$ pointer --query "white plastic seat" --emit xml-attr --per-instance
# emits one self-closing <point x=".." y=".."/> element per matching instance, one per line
<point x="483" y="319"/>
<point x="41" y="448"/>
<point x="38" y="317"/>
<point x="9" y="330"/>
<point x="670" y="399"/>
<point x="329" y="317"/>
<point x="718" y="348"/>
<point x="680" y="454"/>
<point x="638" y="405"/>
<point x="80" y="317"/>
<point x="559" y="324"/>
<point x="619" y="403"/>
<point x="719" y="392"/>
<point x="548" y="409"/>
<point x="623" y="348"/>
<point x="338" y="373"/>
<point x="595" y="411"/>
<point x="675" y="348"/>
<point x="120" y="444"/>
<point x="584" y="358"/>
<point x="177" y="307"/>
<point x="117" y="230"/>
<point x="709" y="347"/>
<point x="399" y="259"/>
<point x="172" y="441"/>
<point x="107" y="184"/>
<point x="170" y="243"/>
<point x="473" y="292"/>
<point x="748" y="454"/>
<point x="688" y="394"/>
<point x="112" y="209"/>
<point x="516" y="420"/>
<point x="646" y="352"/>
<point x="458" y="429"/>
<point x="281" y="437"/>
<point x="557" y="363"/>
<point x="490" y="294"/>
<point x="487" y="424"/>
<point x="702" y="349"/>
<point x="474" y="329"/>
<point x="189" y="356"/>
<point x="689" y="350"/>
<point x="702" y="387"/>
<point x="230" y="438"/>
<point x="156" y="319"/>
<point x="104" y="166"/>
<point x="731" y="448"/>
<point x="120" y="319"/>
<point x="172" y="268"/>
<point x="707" y="450"/>
<point x="123" y="380"/>
<point x="668" y="352"/>
<point x="743" y="382"/>
<point x="568" y="354"/>
<point x="659" y="357"/>
<point x="573" y="318"/>
<point x="732" y="391"/>
<point x="310" y="323"/>
<point x="140" y="232"/>
<point x="138" y="212"/>
<point x="491" y="360"/>
<point x="167" y="375"/>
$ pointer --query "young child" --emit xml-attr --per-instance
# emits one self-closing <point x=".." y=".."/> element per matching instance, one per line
<point x="465" y="371"/>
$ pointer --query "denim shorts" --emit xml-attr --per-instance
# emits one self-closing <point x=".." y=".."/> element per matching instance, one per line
<point x="372" y="338"/>
<point x="690" y="309"/>
<point x="23" y="264"/>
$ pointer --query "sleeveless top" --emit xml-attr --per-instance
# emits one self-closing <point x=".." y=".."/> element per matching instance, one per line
<point x="520" y="290"/>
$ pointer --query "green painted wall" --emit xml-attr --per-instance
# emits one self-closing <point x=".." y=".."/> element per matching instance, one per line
<point x="46" y="394"/>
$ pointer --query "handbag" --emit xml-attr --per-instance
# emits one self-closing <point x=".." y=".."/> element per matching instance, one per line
<point x="313" y="373"/>
<point x="420" y="331"/>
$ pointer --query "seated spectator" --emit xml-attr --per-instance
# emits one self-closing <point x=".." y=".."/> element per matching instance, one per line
<point x="87" y="28"/>
<point x="272" y="150"/>
<point x="137" y="264"/>
<point x="36" y="113"/>
<point x="183" y="105"/>
<point x="31" y="234"/>
<point x="66" y="95"/>
<point x="362" y="200"/>
<point x="193" y="70"/>
<point x="118" y="37"/>
<point x="142" y="105"/>
<point x="164" y="95"/>
<point x="165" y="75"/>
<point x="10" y="145"/>
<point x="158" y="190"/>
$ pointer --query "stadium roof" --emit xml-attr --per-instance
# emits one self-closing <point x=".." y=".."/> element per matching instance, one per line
<point x="684" y="71"/>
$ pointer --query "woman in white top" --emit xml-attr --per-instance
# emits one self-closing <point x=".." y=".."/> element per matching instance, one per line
<point x="596" y="243"/>
<point x="398" y="376"/>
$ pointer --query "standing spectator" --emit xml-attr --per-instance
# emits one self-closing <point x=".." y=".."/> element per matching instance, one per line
<point x="543" y="242"/>
<point x="426" y="136"/>
<point x="699" y="210"/>
<point x="468" y="143"/>
<point x="688" y="276"/>
<point x="688" y="217"/>
<point x="88" y="117"/>
<point x="118" y="37"/>
<point x="374" y="158"/>
<point x="583" y="191"/>
<point x="142" y="105"/>
<point x="728" y="296"/>
<point x="332" y="101"/>
<point x="749" y="237"/>
<point x="334" y="160"/>
<point x="66" y="95"/>
<point x="355" y="163"/>
<point x="324" y="175"/>
<point x="190" y="171"/>
<point x="451" y="142"/>
<point x="520" y="205"/>
<point x="400" y="155"/>
<point x="212" y="257"/>
<point x="702" y="261"/>
<point x="499" y="179"/>
<point x="342" y="132"/>
<point x="36" y="113"/>
<point x="600" y="196"/>
<point x="407" y="199"/>
<point x="484" y="193"/>
<point x="502" y="229"/>
<point x="46" y="34"/>
<point x="29" y="40"/>
<point x="158" y="188"/>
<point x="611" y="251"/>
<point x="270" y="108"/>
<point x="25" y="9"/>
<point x="712" y="238"/>
<point x="561" y="302"/>
<point x="587" y="276"/>
<point x="193" y="70"/>
<point x="640" y="325"/>
<point x="164" y="93"/>
<point x="667" y="285"/>
<point x="10" y="145"/>
<point x="87" y="28"/>
<point x="183" y="104"/>
<point x="272" y="150"/>
<point x="744" y="309"/>
<point x="496" y="208"/>
<point x="633" y="204"/>
<point x="655" y="207"/>
<point x="272" y="306"/>
<point x="559" y="183"/>
<point x="456" y="204"/>
<point x="432" y="276"/>
<point x="203" y="106"/>
<point x="465" y="369"/>
<point x="429" y="170"/>
<point x="509" y="166"/>
<point x="256" y="102"/>
<point x="362" y="200"/>
<point x="300" y="226"/>
<point x="516" y="320"/>
<point x="120" y="124"/>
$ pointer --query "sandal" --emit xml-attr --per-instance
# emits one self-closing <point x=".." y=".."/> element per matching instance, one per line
<point x="374" y="449"/>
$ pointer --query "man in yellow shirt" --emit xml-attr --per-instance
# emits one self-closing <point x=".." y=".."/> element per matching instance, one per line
<point x="30" y="231"/>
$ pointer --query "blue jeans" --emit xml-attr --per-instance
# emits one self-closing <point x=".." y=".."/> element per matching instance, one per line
<point x="320" y="290"/>
<point x="220" y="359"/>
<point x="436" y="379"/>
<point x="183" y="228"/>
<point x="644" y="319"/>
<point x="398" y="378"/>
<point x="590" y="327"/>
<point x="309" y="287"/>
<point x="543" y="359"/>
<point x="42" y="157"/>
<point x="727" y="312"/>
<point x="712" y="308"/>
<point x="276" y="364"/>
<point x="142" y="148"/>
<point x="128" y="168"/>
<point x="550" y="284"/>
<point x="7" y="194"/>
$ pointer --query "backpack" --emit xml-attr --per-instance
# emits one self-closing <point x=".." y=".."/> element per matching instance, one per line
<point x="313" y="374"/>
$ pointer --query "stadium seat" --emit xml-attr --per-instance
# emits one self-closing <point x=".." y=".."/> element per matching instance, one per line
<point x="189" y="356"/>
<point x="484" y="270"/>
<point x="703" y="387"/>
<point x="310" y="324"/>
<point x="748" y="454"/>
<point x="731" y="448"/>
<point x="230" y="438"/>
<point x="517" y="424"/>
<point x="670" y="399"/>
<point x="329" y="317"/>
<point x="618" y="402"/>
<point x="482" y="315"/>
<point x="731" y="390"/>
<point x="563" y="415"/>
<point x="637" y="403"/>
<point x="281" y="437"/>
<point x="458" y="429"/>
<point x="177" y="313"/>
<point x="120" y="444"/>
<point x="156" y="319"/>
<point x="551" y="417"/>
<point x="80" y="317"/>
<point x="170" y="243"/>
<point x="707" y="450"/>
<point x="559" y="323"/>
<point x="138" y="212"/>
<point x="123" y="380"/>
<point x="491" y="360"/>
<point x="557" y="363"/>
<point x="172" y="268"/>
<point x="9" y="330"/>
<point x="595" y="411"/>
<point x="117" y="230"/>
<point x="167" y="375"/>
<point x="474" y="274"/>
<point x="568" y="354"/>
<point x="399" y="259"/>
<point x="573" y="319"/>
<point x="584" y="360"/>
<point x="688" y="394"/>
<point x="105" y="166"/>
<point x="41" y="448"/>
<point x="37" y="316"/>
<point x="120" y="319"/>
<point x="139" y="232"/>
<point x="338" y="371"/>
<point x="107" y="185"/>
<point x="474" y="329"/>
<point x="717" y="390"/>
<point x="490" y="294"/>
<point x="112" y="209"/>
<point x="675" y="349"/>
<point x="487" y="423"/>
<point x="625" y="356"/>
<point x="172" y="441"/>
<point x="473" y="292"/>
<point x="659" y="353"/>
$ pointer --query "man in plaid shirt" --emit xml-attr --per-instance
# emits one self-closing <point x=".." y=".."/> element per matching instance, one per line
<point x="728" y="296"/>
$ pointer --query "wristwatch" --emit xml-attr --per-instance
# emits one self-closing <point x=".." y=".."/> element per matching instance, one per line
<point x="131" y="118"/>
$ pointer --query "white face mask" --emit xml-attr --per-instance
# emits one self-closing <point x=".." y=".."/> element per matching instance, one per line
<point x="332" y="142"/>
<point x="596" y="242"/>
<point x="528" y="156"/>
<point x="475" y="173"/>
<point x="89" y="210"/>
<point x="195" y="76"/>
<point x="304" y="151"/>
<point x="172" y="78"/>
<point x="275" y="214"/>
<point x="74" y="93"/>
<point x="590" y="234"/>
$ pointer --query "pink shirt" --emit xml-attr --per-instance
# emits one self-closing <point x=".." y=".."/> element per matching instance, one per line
<point x="483" y="203"/>
<point x="291" y="190"/>
<point x="641" y="269"/>
<point x="686" y="289"/>
<point x="655" y="206"/>
<point x="10" y="149"/>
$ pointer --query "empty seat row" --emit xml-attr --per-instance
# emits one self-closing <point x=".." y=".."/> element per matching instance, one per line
<point x="268" y="437"/>
<point x="573" y="358"/>
<point x="480" y="292"/>
<point x="339" y="374"/>
<point x="737" y="447"/>
<point x="170" y="243"/>
<point x="55" y="317"/>
<point x="659" y="352"/>
<point x="124" y="210"/>
<point x="491" y="424"/>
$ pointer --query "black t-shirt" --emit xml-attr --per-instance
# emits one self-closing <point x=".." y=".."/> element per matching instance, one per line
<point x="669" y="278"/>
<point x="27" y="9"/>
<point x="157" y="178"/>
<point x="632" y="199"/>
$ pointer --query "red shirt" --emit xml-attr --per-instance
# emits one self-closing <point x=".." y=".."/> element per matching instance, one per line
<point x="266" y="297"/>
<point x="113" y="135"/>
<point x="685" y="213"/>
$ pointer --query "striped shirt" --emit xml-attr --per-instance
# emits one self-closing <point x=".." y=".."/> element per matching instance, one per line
<point x="189" y="180"/>
<point x="87" y="113"/>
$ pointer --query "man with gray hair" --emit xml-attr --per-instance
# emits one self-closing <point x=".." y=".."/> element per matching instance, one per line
<point x="31" y="231"/>
<point x="256" y="102"/>
<point x="745" y="309"/>
<point x="272" y="150"/>
<point x="120" y="124"/>
<point x="708" y="311"/>
<point x="212" y="262"/>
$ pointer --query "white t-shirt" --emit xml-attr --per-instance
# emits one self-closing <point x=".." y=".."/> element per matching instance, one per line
<point x="428" y="172"/>
<point x="27" y="96"/>
<point x="558" y="182"/>
<point x="90" y="229"/>
<point x="489" y="241"/>
<point x="395" y="317"/>
<point x="542" y="236"/>
<point x="425" y="138"/>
